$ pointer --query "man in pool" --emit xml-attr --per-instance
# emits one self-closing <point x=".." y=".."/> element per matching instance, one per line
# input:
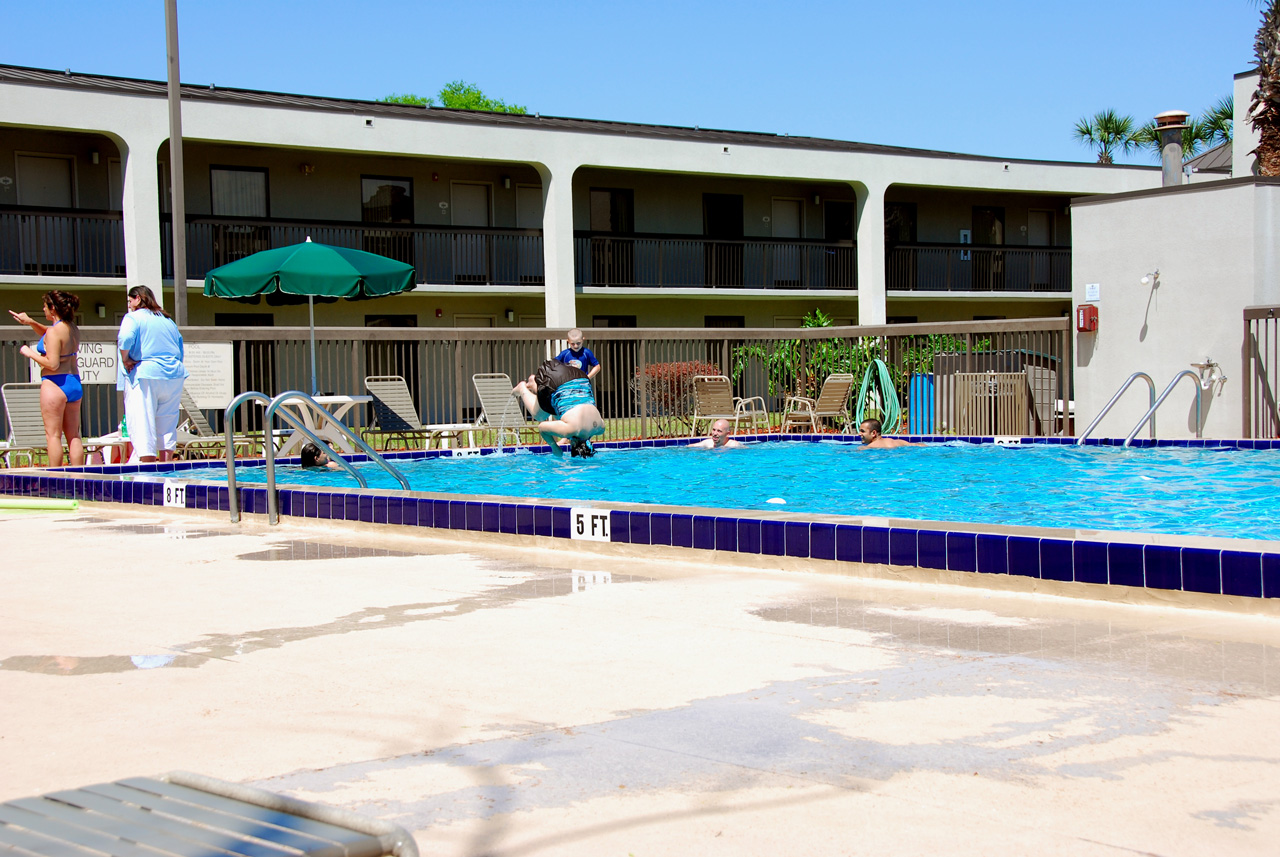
<point x="721" y="438"/>
<point x="872" y="439"/>
<point x="563" y="391"/>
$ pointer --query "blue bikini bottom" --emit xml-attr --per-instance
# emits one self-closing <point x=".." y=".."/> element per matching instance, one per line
<point x="69" y="384"/>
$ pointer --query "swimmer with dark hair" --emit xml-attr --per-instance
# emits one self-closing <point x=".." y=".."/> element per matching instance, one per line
<point x="872" y="439"/>
<point x="314" y="456"/>
<point x="560" y="397"/>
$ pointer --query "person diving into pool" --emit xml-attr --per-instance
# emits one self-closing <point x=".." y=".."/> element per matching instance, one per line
<point x="565" y="392"/>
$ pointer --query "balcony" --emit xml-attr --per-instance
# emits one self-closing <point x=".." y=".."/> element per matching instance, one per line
<point x="977" y="268"/>
<point x="61" y="242"/>
<point x="673" y="261"/>
<point x="441" y="255"/>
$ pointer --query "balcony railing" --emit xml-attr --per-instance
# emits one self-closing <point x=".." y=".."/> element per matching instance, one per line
<point x="61" y="242"/>
<point x="442" y="255"/>
<point x="977" y="268"/>
<point x="674" y="261"/>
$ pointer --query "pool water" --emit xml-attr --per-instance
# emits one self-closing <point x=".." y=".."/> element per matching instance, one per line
<point x="1232" y="493"/>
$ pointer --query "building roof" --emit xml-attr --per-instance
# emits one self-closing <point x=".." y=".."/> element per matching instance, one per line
<point x="1215" y="160"/>
<point x="250" y="97"/>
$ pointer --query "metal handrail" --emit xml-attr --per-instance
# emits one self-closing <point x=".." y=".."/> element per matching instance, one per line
<point x="1150" y="415"/>
<point x="1107" y="407"/>
<point x="273" y="510"/>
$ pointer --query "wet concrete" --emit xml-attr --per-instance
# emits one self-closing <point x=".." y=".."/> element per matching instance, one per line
<point x="516" y="701"/>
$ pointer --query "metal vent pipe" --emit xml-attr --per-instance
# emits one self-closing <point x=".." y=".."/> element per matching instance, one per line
<point x="1169" y="125"/>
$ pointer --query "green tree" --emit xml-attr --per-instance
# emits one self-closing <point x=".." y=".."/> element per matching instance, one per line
<point x="1196" y="137"/>
<point x="1219" y="121"/>
<point x="457" y="95"/>
<point x="1106" y="132"/>
<point x="1264" y="109"/>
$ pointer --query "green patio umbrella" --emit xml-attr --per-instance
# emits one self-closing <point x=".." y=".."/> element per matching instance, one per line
<point x="312" y="271"/>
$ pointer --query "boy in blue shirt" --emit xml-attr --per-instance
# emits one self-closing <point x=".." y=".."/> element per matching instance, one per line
<point x="579" y="357"/>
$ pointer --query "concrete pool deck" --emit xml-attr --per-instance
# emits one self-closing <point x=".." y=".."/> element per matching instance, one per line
<point x="517" y="701"/>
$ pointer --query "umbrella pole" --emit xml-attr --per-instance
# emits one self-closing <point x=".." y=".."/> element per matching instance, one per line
<point x="311" y="314"/>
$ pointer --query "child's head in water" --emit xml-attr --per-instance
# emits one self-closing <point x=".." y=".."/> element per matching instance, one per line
<point x="581" y="448"/>
<point x="314" y="456"/>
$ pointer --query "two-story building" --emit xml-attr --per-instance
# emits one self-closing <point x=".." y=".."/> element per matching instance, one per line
<point x="522" y="220"/>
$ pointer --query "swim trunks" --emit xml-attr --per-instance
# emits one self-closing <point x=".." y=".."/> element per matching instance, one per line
<point x="570" y="395"/>
<point x="69" y="384"/>
<point x="551" y="376"/>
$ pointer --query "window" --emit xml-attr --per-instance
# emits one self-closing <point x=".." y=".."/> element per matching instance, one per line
<point x="238" y="192"/>
<point x="724" y="321"/>
<point x="900" y="222"/>
<point x="386" y="199"/>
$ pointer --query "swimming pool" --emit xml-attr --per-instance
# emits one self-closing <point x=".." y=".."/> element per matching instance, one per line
<point x="1232" y="493"/>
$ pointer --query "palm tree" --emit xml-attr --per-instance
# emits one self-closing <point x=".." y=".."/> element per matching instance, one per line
<point x="1107" y="131"/>
<point x="1196" y="136"/>
<point x="1264" y="109"/>
<point x="1219" y="121"/>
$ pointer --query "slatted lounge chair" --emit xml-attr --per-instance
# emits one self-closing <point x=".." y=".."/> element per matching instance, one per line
<point x="502" y="409"/>
<point x="396" y="418"/>
<point x="832" y="403"/>
<point x="188" y="815"/>
<point x="197" y="439"/>
<point x="713" y="400"/>
<point x="26" y="426"/>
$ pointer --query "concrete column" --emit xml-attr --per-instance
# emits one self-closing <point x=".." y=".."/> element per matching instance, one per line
<point x="872" y="307"/>
<point x="557" y="244"/>
<point x="141" y="211"/>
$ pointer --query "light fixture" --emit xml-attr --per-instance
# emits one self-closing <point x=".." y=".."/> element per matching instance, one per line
<point x="101" y="310"/>
<point x="511" y="315"/>
<point x="506" y="182"/>
<point x="439" y="313"/>
<point x="1152" y="279"/>
<point x="306" y="169"/>
<point x="817" y="200"/>
<point x="93" y="156"/>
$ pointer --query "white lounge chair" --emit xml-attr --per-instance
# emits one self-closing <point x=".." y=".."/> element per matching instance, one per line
<point x="396" y="418"/>
<point x="713" y="400"/>
<point x="502" y="409"/>
<point x="26" y="426"/>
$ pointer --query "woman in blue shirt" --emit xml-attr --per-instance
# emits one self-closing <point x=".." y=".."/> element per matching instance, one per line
<point x="151" y="352"/>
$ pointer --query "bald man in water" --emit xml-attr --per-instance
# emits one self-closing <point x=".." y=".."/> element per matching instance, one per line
<point x="721" y="438"/>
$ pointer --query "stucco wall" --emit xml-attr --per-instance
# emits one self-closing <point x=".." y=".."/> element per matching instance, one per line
<point x="1215" y="246"/>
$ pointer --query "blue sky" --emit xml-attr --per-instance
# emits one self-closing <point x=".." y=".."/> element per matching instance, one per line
<point x="995" y="78"/>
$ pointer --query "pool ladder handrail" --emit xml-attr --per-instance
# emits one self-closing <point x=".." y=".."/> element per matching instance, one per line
<point x="1151" y="414"/>
<point x="1109" y="405"/>
<point x="273" y="410"/>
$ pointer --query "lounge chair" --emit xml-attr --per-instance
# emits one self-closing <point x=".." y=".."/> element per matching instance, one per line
<point x="26" y="426"/>
<point x="832" y="403"/>
<point x="197" y="439"/>
<point x="502" y="410"/>
<point x="396" y="418"/>
<point x="713" y="400"/>
<point x="188" y="815"/>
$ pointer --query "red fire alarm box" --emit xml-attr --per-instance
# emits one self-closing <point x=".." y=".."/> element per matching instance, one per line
<point x="1086" y="318"/>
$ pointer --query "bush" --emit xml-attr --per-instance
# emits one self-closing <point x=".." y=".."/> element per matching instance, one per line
<point x="669" y="387"/>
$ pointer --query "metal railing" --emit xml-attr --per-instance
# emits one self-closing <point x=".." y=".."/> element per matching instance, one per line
<point x="441" y="255"/>
<point x="1261" y="359"/>
<point x="687" y="261"/>
<point x="1151" y="412"/>
<point x="1106" y="409"/>
<point x="61" y="242"/>
<point x="977" y="268"/>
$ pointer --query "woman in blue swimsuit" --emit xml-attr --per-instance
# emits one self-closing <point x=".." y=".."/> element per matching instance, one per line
<point x="57" y="356"/>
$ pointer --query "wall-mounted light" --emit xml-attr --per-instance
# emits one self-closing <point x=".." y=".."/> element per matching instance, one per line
<point x="101" y="310"/>
<point x="511" y="315"/>
<point x="817" y="200"/>
<point x="439" y="313"/>
<point x="93" y="156"/>
<point x="306" y="169"/>
<point x="1152" y="279"/>
<point x="506" y="182"/>
<point x="435" y="177"/>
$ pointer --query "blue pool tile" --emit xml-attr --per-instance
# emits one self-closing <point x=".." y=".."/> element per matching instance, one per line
<point x="542" y="521"/>
<point x="324" y="506"/>
<point x="773" y="539"/>
<point x="796" y="538"/>
<point x="727" y="534"/>
<point x="993" y="553"/>
<point x="962" y="551"/>
<point x="903" y="546"/>
<point x="748" y="536"/>
<point x="507" y="518"/>
<point x="1163" y="566"/>
<point x="619" y="526"/>
<point x="561" y="523"/>
<point x="848" y="543"/>
<point x="875" y="545"/>
<point x="381" y="510"/>
<point x="220" y="500"/>
<point x="659" y="528"/>
<point x="1090" y="560"/>
<point x="682" y="531"/>
<point x="440" y="512"/>
<point x="352" y="508"/>
<point x="822" y="541"/>
<point x="472" y="514"/>
<point x="285" y="501"/>
<point x="1124" y="565"/>
<point x="1024" y="556"/>
<point x="524" y="520"/>
<point x="457" y="515"/>
<point x="395" y="510"/>
<point x="638" y="527"/>
<point x="426" y="512"/>
<point x="309" y="504"/>
<point x="364" y="509"/>
<point x="1201" y="570"/>
<point x="1057" y="560"/>
<point x="704" y="532"/>
<point x="408" y="511"/>
<point x="490" y="514"/>
<point x="931" y="547"/>
<point x="1241" y="573"/>
<point x="1271" y="575"/>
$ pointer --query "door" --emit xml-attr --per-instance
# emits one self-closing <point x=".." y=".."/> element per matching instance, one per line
<point x="1040" y="234"/>
<point x="529" y="270"/>
<point x="840" y="268"/>
<point x="471" y="250"/>
<point x="722" y="225"/>
<point x="387" y="199"/>
<point x="47" y="241"/>
<point x="238" y="192"/>
<point x="785" y="261"/>
<point x="988" y="264"/>
<point x="612" y="243"/>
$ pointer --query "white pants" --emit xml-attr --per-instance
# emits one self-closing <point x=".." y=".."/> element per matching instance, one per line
<point x="156" y="402"/>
